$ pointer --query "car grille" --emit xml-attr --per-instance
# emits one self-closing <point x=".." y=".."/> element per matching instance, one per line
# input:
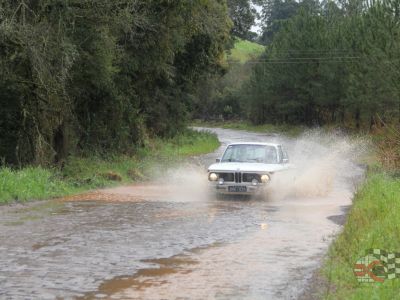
<point x="248" y="177"/>
<point x="227" y="176"/>
<point x="238" y="177"/>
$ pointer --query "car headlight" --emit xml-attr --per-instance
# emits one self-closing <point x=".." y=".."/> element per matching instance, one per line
<point x="213" y="177"/>
<point x="265" y="178"/>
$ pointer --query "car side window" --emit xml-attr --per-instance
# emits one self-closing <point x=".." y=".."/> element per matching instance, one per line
<point x="283" y="154"/>
<point x="270" y="155"/>
<point x="280" y="154"/>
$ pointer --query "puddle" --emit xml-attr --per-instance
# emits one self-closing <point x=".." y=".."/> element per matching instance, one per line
<point x="144" y="278"/>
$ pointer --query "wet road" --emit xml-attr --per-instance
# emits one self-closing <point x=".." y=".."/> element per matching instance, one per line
<point x="163" y="241"/>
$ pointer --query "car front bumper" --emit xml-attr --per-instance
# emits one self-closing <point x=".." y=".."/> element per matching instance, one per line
<point x="237" y="189"/>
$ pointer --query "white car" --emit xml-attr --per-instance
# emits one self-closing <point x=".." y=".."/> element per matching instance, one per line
<point x="247" y="168"/>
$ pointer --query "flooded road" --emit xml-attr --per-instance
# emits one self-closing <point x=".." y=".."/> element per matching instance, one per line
<point x="169" y="241"/>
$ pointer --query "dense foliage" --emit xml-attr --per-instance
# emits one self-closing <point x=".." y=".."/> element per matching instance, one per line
<point x="101" y="74"/>
<point x="243" y="17"/>
<point x="274" y="13"/>
<point x="330" y="63"/>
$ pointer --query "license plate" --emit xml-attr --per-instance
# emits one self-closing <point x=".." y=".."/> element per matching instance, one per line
<point x="237" y="189"/>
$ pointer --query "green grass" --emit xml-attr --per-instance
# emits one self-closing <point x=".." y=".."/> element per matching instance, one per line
<point x="288" y="130"/>
<point x="30" y="183"/>
<point x="191" y="143"/>
<point x="373" y="222"/>
<point x="84" y="173"/>
<point x="245" y="50"/>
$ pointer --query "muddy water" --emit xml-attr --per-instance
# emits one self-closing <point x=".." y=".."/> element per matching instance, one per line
<point x="162" y="241"/>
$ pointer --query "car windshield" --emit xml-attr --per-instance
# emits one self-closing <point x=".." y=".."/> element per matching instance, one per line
<point x="250" y="153"/>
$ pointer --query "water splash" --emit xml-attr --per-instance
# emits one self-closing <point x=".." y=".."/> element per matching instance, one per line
<point x="321" y="161"/>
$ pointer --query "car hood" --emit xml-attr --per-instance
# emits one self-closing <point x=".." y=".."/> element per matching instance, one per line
<point x="247" y="167"/>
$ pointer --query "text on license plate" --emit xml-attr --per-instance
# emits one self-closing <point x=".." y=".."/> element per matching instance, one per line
<point x="237" y="189"/>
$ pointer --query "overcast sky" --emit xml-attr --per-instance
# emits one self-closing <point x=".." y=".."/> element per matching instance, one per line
<point x="257" y="27"/>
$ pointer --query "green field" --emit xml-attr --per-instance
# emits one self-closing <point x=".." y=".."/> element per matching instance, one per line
<point x="84" y="173"/>
<point x="245" y="50"/>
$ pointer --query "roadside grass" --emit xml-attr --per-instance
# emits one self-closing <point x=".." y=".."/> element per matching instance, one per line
<point x="288" y="130"/>
<point x="84" y="173"/>
<point x="30" y="183"/>
<point x="245" y="50"/>
<point x="373" y="222"/>
<point x="191" y="143"/>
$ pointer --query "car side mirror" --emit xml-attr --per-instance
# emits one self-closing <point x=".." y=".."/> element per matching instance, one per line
<point x="285" y="160"/>
<point x="218" y="160"/>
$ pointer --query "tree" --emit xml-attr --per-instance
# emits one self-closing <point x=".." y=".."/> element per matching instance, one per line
<point x="274" y="13"/>
<point x="101" y="75"/>
<point x="328" y="65"/>
<point x="243" y="17"/>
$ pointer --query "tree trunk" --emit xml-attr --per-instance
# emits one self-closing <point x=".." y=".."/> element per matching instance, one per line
<point x="371" y="122"/>
<point x="60" y="145"/>
<point x="333" y="115"/>
<point x="357" y="117"/>
<point x="342" y="115"/>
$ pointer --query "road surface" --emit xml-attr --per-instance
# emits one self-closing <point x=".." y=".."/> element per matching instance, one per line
<point x="174" y="241"/>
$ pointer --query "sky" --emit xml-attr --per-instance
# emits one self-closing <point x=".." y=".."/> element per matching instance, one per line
<point x="257" y="27"/>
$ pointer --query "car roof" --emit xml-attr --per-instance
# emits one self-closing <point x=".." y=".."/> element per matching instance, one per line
<point x="255" y="143"/>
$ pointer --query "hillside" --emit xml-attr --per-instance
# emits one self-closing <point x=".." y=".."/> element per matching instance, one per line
<point x="245" y="50"/>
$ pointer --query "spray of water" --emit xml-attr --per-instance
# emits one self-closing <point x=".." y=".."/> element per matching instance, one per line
<point x="320" y="163"/>
<point x="188" y="182"/>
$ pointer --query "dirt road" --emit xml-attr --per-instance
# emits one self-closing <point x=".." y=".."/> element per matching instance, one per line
<point x="173" y="241"/>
